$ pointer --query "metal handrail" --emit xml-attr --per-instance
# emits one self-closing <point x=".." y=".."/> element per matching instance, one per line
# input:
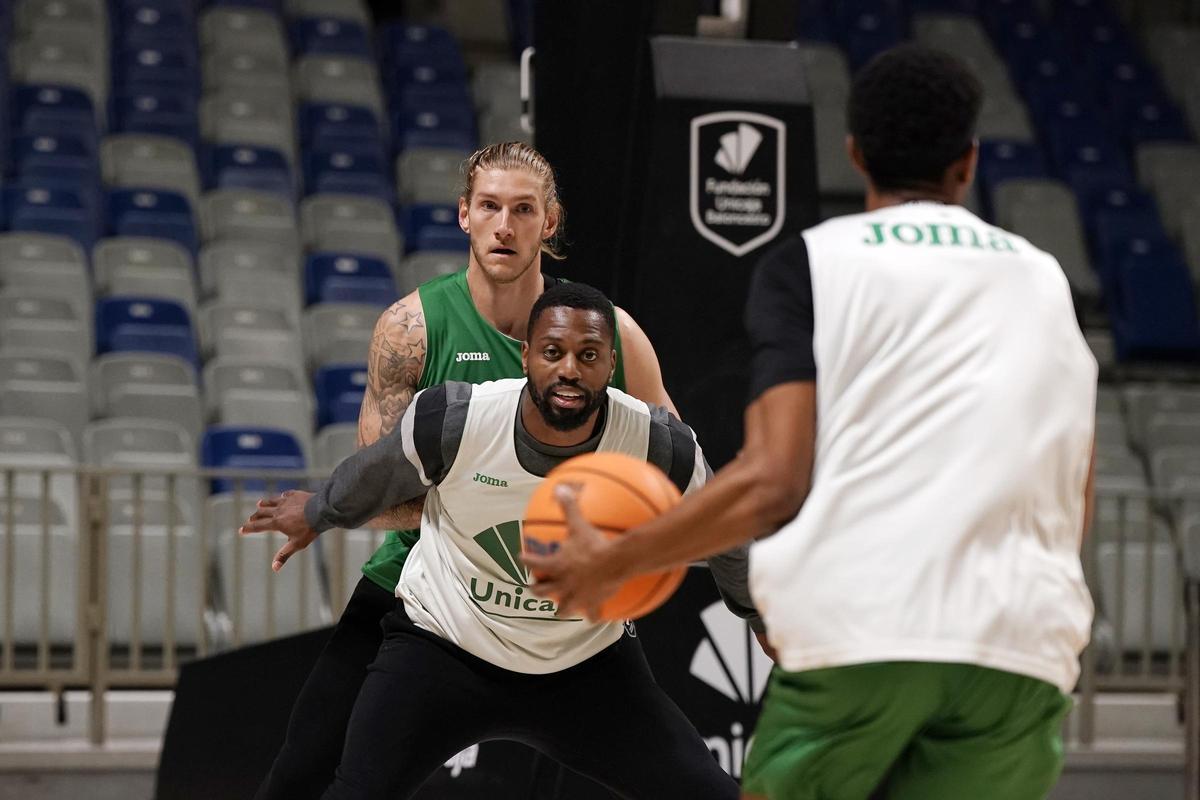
<point x="203" y="554"/>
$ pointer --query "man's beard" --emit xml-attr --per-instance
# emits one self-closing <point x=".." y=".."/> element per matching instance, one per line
<point x="500" y="277"/>
<point x="565" y="419"/>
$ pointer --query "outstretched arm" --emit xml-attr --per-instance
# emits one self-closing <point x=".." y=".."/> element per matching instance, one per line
<point x="394" y="366"/>
<point x="377" y="477"/>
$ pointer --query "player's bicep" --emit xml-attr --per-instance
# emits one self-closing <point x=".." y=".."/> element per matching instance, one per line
<point x="395" y="361"/>
<point x="643" y="375"/>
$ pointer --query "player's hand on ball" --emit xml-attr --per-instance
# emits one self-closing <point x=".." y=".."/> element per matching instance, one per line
<point x="283" y="513"/>
<point x="581" y="574"/>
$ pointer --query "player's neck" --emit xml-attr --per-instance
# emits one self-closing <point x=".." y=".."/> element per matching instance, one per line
<point x="880" y="198"/>
<point x="505" y="305"/>
<point x="538" y="428"/>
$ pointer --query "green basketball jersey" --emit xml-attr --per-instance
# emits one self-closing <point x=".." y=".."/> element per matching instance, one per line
<point x="461" y="346"/>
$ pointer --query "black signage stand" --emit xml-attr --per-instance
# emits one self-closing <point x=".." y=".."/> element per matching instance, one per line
<point x="730" y="171"/>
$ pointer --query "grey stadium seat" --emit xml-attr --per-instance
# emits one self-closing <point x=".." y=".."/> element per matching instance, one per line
<point x="1169" y="429"/>
<point x="159" y="536"/>
<point x="132" y="445"/>
<point x="43" y="261"/>
<point x="427" y="264"/>
<point x="26" y="448"/>
<point x="63" y="65"/>
<point x="350" y="224"/>
<point x="277" y="291"/>
<point x="296" y="590"/>
<point x="1118" y="470"/>
<point x="1171" y="171"/>
<point x="430" y="174"/>
<point x="1175" y="468"/>
<point x="250" y="392"/>
<point x="334" y="443"/>
<point x="338" y="79"/>
<point x="353" y="10"/>
<point x="248" y="330"/>
<point x="1146" y="400"/>
<point x="1004" y="117"/>
<point x="148" y="385"/>
<point x="496" y="85"/>
<point x="145" y="267"/>
<point x="239" y="115"/>
<point x="1100" y="342"/>
<point x="246" y="68"/>
<point x="39" y="319"/>
<point x="1175" y="50"/>
<point x="225" y="28"/>
<point x="1044" y="212"/>
<point x="227" y="259"/>
<point x="827" y="72"/>
<point x="43" y="386"/>
<point x="1161" y="594"/>
<point x="338" y="333"/>
<point x="32" y="521"/>
<point x="247" y="214"/>
<point x="1191" y="240"/>
<point x="137" y="160"/>
<point x="1111" y="431"/>
<point x="502" y="125"/>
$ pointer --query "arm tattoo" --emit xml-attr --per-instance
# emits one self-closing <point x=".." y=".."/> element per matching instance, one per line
<point x="394" y="365"/>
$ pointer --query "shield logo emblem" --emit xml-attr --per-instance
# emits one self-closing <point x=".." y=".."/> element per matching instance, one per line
<point x="737" y="191"/>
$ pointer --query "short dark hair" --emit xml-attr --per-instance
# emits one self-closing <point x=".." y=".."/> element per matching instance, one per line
<point x="912" y="111"/>
<point x="575" y="295"/>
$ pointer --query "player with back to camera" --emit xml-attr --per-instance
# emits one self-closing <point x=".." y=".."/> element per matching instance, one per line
<point x="919" y="451"/>
<point x="468" y="327"/>
<point x="469" y="654"/>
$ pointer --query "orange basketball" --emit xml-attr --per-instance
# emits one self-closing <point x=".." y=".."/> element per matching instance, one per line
<point x="617" y="492"/>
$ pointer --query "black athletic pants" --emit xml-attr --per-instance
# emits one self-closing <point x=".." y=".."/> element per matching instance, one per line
<point x="317" y="729"/>
<point x="426" y="699"/>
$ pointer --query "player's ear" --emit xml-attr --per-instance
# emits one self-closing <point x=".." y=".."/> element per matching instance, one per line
<point x="464" y="220"/>
<point x="525" y="358"/>
<point x="612" y="371"/>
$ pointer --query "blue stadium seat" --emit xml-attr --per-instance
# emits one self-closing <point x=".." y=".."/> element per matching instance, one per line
<point x="1114" y="246"/>
<point x="64" y="162"/>
<point x="347" y="173"/>
<point x="1120" y="212"/>
<point x="1002" y="160"/>
<point x="151" y="23"/>
<point x="1124" y="83"/>
<point x="1152" y="307"/>
<point x="433" y="227"/>
<point x="348" y="278"/>
<point x="1154" y="120"/>
<point x="239" y="448"/>
<point x="814" y="21"/>
<point x="328" y="36"/>
<point x="54" y="111"/>
<point x="453" y="128"/>
<point x="240" y="167"/>
<point x="333" y="126"/>
<point x="38" y="209"/>
<point x="152" y="212"/>
<point x="156" y="111"/>
<point x="433" y="96"/>
<point x="144" y="324"/>
<point x="157" y="68"/>
<point x="339" y="390"/>
<point x="399" y="37"/>
<point x="868" y="30"/>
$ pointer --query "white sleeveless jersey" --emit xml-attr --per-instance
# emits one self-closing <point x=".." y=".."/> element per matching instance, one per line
<point x="955" y="406"/>
<point x="464" y="580"/>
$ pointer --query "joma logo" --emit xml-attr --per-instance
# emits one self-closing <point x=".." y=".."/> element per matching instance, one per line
<point x="490" y="481"/>
<point x="460" y="357"/>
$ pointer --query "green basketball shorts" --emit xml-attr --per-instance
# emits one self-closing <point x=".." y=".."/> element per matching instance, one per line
<point x="933" y="731"/>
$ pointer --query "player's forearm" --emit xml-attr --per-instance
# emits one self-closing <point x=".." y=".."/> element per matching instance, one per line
<point x="406" y="516"/>
<point x="742" y="502"/>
